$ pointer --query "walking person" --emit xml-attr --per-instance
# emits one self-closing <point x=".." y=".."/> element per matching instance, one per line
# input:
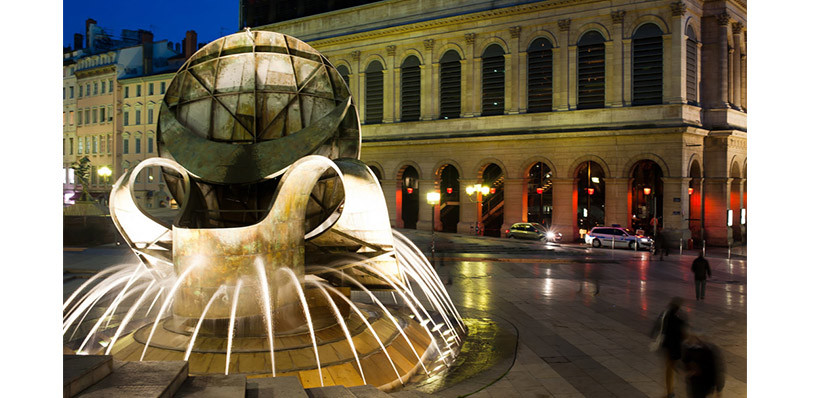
<point x="700" y="267"/>
<point x="670" y="329"/>
<point x="704" y="368"/>
<point x="660" y="245"/>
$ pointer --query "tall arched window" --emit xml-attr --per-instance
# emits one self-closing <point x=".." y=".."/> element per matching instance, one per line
<point x="539" y="76"/>
<point x="691" y="67"/>
<point x="647" y="65"/>
<point x="374" y="97"/>
<point x="410" y="89"/>
<point x="450" y="80"/>
<point x="492" y="81"/>
<point x="344" y="73"/>
<point x="591" y="71"/>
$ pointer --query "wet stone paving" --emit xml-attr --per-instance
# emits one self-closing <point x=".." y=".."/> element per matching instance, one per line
<point x="583" y="315"/>
<point x="566" y="320"/>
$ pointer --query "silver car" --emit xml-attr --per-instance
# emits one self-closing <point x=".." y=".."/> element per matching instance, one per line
<point x="535" y="231"/>
<point x="620" y="237"/>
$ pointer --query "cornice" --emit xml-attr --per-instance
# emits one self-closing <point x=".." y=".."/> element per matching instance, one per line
<point x="438" y="22"/>
<point x="85" y="73"/>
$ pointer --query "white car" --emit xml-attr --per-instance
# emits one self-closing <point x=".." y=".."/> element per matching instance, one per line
<point x="621" y="237"/>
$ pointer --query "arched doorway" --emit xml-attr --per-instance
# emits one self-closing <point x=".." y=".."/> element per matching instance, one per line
<point x="647" y="196"/>
<point x="449" y="204"/>
<point x="410" y="197"/>
<point x="492" y="205"/>
<point x="590" y="194"/>
<point x="695" y="202"/>
<point x="376" y="171"/>
<point x="539" y="194"/>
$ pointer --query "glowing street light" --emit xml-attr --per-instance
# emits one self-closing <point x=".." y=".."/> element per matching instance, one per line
<point x="104" y="172"/>
<point x="479" y="190"/>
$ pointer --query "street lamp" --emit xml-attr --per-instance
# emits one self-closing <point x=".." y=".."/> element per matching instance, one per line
<point x="654" y="220"/>
<point x="104" y="172"/>
<point x="479" y="190"/>
<point x="433" y="199"/>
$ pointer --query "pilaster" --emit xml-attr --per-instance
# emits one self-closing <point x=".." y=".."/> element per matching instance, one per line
<point x="511" y="73"/>
<point x="615" y="81"/>
<point x="717" y="191"/>
<point x="355" y="81"/>
<point x="616" y="204"/>
<point x="723" y="60"/>
<point x="468" y="209"/>
<point x="572" y="77"/>
<point x="564" y="219"/>
<point x="674" y="57"/>
<point x="675" y="208"/>
<point x="391" y="78"/>
<point x="429" y="92"/>
<point x="471" y="91"/>
<point x="609" y="73"/>
<point x="561" y="68"/>
<point x="514" y="209"/>
<point x="627" y="46"/>
<point x="466" y="81"/>
<point x="737" y="30"/>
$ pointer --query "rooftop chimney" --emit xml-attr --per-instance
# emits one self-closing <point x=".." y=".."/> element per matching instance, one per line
<point x="189" y="44"/>
<point x="78" y="41"/>
<point x="88" y="23"/>
<point x="147" y="40"/>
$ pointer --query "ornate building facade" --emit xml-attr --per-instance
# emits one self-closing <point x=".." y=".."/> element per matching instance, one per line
<point x="573" y="113"/>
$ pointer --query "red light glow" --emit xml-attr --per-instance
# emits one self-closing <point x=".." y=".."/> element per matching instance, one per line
<point x="647" y="191"/>
<point x="449" y="190"/>
<point x="691" y="190"/>
<point x="590" y="191"/>
<point x="409" y="190"/>
<point x="492" y="190"/>
<point x="539" y="190"/>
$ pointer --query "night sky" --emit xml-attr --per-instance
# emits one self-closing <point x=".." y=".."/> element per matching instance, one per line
<point x="169" y="20"/>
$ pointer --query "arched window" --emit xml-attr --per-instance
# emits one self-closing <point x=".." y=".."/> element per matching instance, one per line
<point x="591" y="71"/>
<point x="345" y="74"/>
<point x="492" y="81"/>
<point x="450" y="82"/>
<point x="410" y="89"/>
<point x="374" y="97"/>
<point x="691" y="67"/>
<point x="647" y="65"/>
<point x="539" y="76"/>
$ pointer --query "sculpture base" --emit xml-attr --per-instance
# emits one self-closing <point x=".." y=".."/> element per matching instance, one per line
<point x="294" y="354"/>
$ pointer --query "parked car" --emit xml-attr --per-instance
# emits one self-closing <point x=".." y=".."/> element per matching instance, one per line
<point x="621" y="237"/>
<point x="535" y="231"/>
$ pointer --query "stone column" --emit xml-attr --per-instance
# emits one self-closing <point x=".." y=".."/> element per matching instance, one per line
<point x="723" y="61"/>
<point x="514" y="209"/>
<point x="509" y="107"/>
<point x="429" y="91"/>
<point x="717" y="191"/>
<point x="522" y="82"/>
<point x="743" y="81"/>
<point x="561" y="67"/>
<point x="471" y="91"/>
<point x="564" y="218"/>
<point x="559" y="85"/>
<point x="572" y="78"/>
<point x="467" y="208"/>
<point x="511" y="75"/>
<point x="615" y="67"/>
<point x="674" y="57"/>
<point x="737" y="30"/>
<point x="392" y="74"/>
<point x="730" y="79"/>
<point x="466" y="67"/>
<point x="616" y="205"/>
<point x="627" y="46"/>
<point x="425" y="221"/>
<point x="609" y="73"/>
<point x="675" y="203"/>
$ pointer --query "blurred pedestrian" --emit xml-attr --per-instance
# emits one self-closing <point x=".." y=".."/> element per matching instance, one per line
<point x="670" y="329"/>
<point x="700" y="267"/>
<point x="660" y="245"/>
<point x="704" y="368"/>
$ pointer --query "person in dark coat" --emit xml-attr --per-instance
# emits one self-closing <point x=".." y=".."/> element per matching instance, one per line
<point x="672" y="326"/>
<point x="661" y="246"/>
<point x="700" y="267"/>
<point x="704" y="368"/>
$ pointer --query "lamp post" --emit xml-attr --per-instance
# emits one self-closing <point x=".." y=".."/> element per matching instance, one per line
<point x="479" y="190"/>
<point x="433" y="199"/>
<point x="104" y="172"/>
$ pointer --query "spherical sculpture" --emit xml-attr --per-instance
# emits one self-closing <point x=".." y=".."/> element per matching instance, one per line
<point x="257" y="102"/>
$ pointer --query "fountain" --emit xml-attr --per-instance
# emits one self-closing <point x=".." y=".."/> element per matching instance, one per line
<point x="280" y="259"/>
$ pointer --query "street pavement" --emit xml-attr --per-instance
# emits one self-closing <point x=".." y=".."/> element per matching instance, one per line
<point x="582" y="315"/>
